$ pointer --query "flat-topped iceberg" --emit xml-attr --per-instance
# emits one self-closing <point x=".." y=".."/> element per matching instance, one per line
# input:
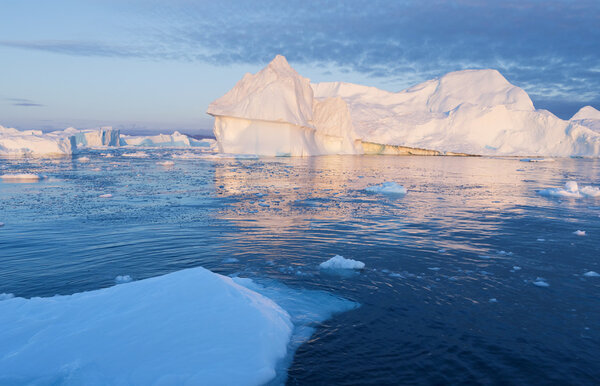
<point x="187" y="327"/>
<point x="164" y="140"/>
<point x="15" y="143"/>
<point x="277" y="111"/>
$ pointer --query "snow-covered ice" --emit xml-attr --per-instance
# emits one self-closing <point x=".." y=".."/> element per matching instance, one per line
<point x="33" y="143"/>
<point x="389" y="187"/>
<point x="5" y="296"/>
<point x="339" y="262"/>
<point x="187" y="327"/>
<point x="164" y="140"/>
<point x="571" y="190"/>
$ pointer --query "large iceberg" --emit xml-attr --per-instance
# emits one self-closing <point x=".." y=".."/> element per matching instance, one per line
<point x="277" y="111"/>
<point x="105" y="136"/>
<point x="164" y="140"/>
<point x="187" y="327"/>
<point x="274" y="112"/>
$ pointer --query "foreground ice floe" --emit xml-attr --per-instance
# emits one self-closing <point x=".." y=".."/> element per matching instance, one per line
<point x="340" y="262"/>
<point x="20" y="177"/>
<point x="387" y="188"/>
<point x="277" y="111"/>
<point x="187" y="327"/>
<point x="571" y="190"/>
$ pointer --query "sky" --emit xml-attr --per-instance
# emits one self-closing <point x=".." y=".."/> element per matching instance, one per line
<point x="151" y="65"/>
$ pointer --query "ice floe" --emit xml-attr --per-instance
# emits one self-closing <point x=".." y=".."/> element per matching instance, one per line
<point x="339" y="262"/>
<point x="21" y="177"/>
<point x="591" y="274"/>
<point x="187" y="327"/>
<point x="389" y="187"/>
<point x="571" y="190"/>
<point x="579" y="233"/>
<point x="165" y="163"/>
<point x="106" y="195"/>
<point x="541" y="282"/>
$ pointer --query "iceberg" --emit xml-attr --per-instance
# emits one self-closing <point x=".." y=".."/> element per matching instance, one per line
<point x="278" y="112"/>
<point x="105" y="136"/>
<point x="340" y="262"/>
<point x="164" y="140"/>
<point x="34" y="143"/>
<point x="275" y="113"/>
<point x="187" y="327"/>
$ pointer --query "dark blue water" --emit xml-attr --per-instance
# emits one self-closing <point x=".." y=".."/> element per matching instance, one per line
<point x="441" y="301"/>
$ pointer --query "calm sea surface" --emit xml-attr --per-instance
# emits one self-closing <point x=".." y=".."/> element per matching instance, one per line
<point x="447" y="295"/>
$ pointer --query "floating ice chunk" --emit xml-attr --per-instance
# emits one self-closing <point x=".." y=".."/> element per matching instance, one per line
<point x="516" y="268"/>
<point x="537" y="160"/>
<point x="591" y="274"/>
<point x="540" y="239"/>
<point x="106" y="195"/>
<point x="230" y="260"/>
<point x="387" y="188"/>
<point x="123" y="279"/>
<point x="225" y="333"/>
<point x="541" y="282"/>
<point x="434" y="268"/>
<point x="137" y="154"/>
<point x="493" y="300"/>
<point x="83" y="159"/>
<point x="571" y="190"/>
<point x="1" y="224"/>
<point x="579" y="233"/>
<point x="339" y="262"/>
<point x="23" y="177"/>
<point x="165" y="163"/>
<point x="5" y="296"/>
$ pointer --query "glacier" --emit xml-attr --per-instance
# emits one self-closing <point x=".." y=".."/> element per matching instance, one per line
<point x="187" y="327"/>
<point x="474" y="112"/>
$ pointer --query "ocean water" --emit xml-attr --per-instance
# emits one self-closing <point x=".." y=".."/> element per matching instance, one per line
<point x="448" y="294"/>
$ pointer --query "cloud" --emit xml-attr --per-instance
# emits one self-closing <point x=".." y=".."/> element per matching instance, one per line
<point x="21" y="102"/>
<point x="551" y="48"/>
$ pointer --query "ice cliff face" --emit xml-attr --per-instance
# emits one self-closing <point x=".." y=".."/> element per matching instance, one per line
<point x="472" y="111"/>
<point x="274" y="112"/>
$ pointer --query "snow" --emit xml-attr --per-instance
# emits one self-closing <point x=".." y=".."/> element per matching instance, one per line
<point x="22" y="177"/>
<point x="339" y="262"/>
<point x="579" y="233"/>
<point x="572" y="190"/>
<point x="591" y="274"/>
<point x="278" y="112"/>
<point x="122" y="279"/>
<point x="187" y="327"/>
<point x="387" y="188"/>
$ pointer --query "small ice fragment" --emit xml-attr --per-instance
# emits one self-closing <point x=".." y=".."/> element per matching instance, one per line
<point x="493" y="300"/>
<point x="83" y="159"/>
<point x="516" y="268"/>
<point x="339" y="262"/>
<point x="541" y="239"/>
<point x="537" y="160"/>
<point x="107" y="195"/>
<point x="434" y="268"/>
<point x="1" y="224"/>
<point x="504" y="253"/>
<point x="540" y="282"/>
<point x="23" y="177"/>
<point x="230" y="260"/>
<point x="122" y="279"/>
<point x="165" y="163"/>
<point x="579" y="233"/>
<point x="387" y="188"/>
<point x="137" y="154"/>
<point x="394" y="274"/>
<point x="442" y="250"/>
<point x="5" y="296"/>
<point x="591" y="274"/>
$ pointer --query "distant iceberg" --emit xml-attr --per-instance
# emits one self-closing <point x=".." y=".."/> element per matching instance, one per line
<point x="15" y="143"/>
<point x="278" y="112"/>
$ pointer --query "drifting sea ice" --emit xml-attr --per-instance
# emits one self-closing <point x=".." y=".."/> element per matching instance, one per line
<point x="571" y="190"/>
<point x="540" y="282"/>
<point x="137" y="154"/>
<point x="23" y="177"/>
<point x="339" y="262"/>
<point x="387" y="188"/>
<point x="579" y="233"/>
<point x="188" y="327"/>
<point x="123" y="279"/>
<point x="591" y="274"/>
<point x="165" y="163"/>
